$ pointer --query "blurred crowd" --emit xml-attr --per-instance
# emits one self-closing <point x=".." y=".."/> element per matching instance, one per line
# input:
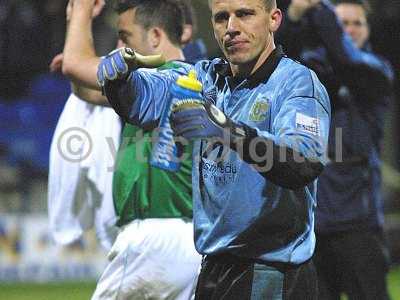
<point x="31" y="99"/>
<point x="32" y="32"/>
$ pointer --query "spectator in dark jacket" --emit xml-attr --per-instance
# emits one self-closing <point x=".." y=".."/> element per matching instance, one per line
<point x="350" y="255"/>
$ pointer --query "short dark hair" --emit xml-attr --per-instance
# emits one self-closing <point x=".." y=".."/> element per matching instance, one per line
<point x="363" y="3"/>
<point x="269" y="4"/>
<point x="166" y="14"/>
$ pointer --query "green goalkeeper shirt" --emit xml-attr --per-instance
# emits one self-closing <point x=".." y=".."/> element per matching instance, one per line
<point x="141" y="191"/>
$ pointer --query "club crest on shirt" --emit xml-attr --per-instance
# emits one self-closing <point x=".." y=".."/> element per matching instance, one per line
<point x="258" y="112"/>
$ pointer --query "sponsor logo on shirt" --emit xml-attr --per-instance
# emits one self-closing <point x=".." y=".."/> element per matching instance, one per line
<point x="308" y="124"/>
<point x="220" y="168"/>
<point x="219" y="173"/>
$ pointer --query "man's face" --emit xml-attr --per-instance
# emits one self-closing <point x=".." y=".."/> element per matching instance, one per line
<point x="131" y="34"/>
<point x="242" y="29"/>
<point x="354" y="21"/>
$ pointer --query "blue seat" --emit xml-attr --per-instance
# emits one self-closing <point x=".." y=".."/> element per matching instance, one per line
<point x="27" y="124"/>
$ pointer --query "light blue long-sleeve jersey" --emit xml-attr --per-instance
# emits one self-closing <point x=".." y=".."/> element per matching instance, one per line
<point x="236" y="208"/>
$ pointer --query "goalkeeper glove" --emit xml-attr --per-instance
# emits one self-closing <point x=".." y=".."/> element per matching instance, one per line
<point x="118" y="63"/>
<point x="196" y="120"/>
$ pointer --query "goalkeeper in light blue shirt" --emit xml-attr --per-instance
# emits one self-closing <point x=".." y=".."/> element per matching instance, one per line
<point x="259" y="144"/>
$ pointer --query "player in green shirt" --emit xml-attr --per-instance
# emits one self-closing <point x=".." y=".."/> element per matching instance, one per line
<point x="141" y="191"/>
<point x="153" y="256"/>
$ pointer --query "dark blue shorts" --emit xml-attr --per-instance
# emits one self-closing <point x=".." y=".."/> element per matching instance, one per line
<point x="230" y="277"/>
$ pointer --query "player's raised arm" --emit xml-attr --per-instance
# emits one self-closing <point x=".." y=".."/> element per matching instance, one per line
<point x="349" y="57"/>
<point x="137" y="95"/>
<point x="80" y="61"/>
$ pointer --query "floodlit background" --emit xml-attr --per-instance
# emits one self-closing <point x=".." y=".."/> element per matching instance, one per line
<point x="31" y="99"/>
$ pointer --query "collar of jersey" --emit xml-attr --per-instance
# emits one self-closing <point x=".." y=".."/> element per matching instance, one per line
<point x="261" y="75"/>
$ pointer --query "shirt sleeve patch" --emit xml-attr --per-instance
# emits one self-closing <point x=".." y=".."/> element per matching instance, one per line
<point x="308" y="124"/>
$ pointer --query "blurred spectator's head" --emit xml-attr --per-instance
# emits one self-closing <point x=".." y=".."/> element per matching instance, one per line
<point x="354" y="17"/>
<point x="189" y="27"/>
<point x="143" y="25"/>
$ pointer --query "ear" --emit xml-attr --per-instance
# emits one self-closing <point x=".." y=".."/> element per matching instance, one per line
<point x="275" y="19"/>
<point x="120" y="44"/>
<point x="154" y="36"/>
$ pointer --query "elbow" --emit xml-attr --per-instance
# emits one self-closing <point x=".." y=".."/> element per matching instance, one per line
<point x="344" y="62"/>
<point x="306" y="174"/>
<point x="81" y="73"/>
<point x="68" y="69"/>
<point x="71" y="67"/>
<point x="119" y="98"/>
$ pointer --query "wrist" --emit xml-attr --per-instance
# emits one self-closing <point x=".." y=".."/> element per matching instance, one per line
<point x="296" y="13"/>
<point x="241" y="136"/>
<point x="82" y="8"/>
<point x="236" y="132"/>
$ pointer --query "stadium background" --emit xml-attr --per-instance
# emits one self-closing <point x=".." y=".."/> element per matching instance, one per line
<point x="31" y="99"/>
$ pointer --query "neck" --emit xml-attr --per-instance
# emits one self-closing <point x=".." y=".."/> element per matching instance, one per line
<point x="247" y="69"/>
<point x="170" y="51"/>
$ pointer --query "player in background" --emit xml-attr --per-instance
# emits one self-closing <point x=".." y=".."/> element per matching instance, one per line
<point x="153" y="256"/>
<point x="79" y="188"/>
<point x="193" y="49"/>
<point x="351" y="255"/>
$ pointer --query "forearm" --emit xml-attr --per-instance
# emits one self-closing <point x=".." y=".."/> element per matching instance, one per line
<point x="290" y="36"/>
<point x="290" y="160"/>
<point x="341" y="50"/>
<point x="80" y="60"/>
<point x="141" y="98"/>
<point x="279" y="163"/>
<point x="89" y="95"/>
<point x="294" y="33"/>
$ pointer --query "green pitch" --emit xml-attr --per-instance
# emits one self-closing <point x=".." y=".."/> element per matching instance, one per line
<point x="83" y="291"/>
<point x="394" y="283"/>
<point x="48" y="291"/>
